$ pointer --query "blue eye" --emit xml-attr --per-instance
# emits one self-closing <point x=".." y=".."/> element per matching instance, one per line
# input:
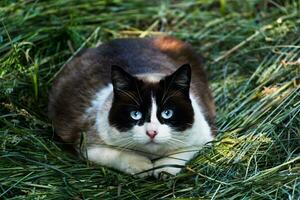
<point x="167" y="114"/>
<point x="136" y="115"/>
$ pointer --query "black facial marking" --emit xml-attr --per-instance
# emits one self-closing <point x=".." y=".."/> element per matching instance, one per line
<point x="132" y="94"/>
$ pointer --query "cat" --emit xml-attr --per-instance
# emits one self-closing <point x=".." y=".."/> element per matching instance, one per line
<point x="143" y="105"/>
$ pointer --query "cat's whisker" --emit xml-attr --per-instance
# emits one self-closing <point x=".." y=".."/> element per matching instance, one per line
<point x="130" y="96"/>
<point x="189" y="124"/>
<point x="130" y="147"/>
<point x="174" y="138"/>
<point x="129" y="104"/>
<point x="171" y="142"/>
<point x="126" y="148"/>
<point x="124" y="143"/>
<point x="138" y="91"/>
<point x="180" y="141"/>
<point x="166" y="91"/>
<point x="170" y="96"/>
<point x="124" y="139"/>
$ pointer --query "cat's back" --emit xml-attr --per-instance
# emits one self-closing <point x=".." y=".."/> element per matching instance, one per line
<point x="135" y="55"/>
<point x="144" y="55"/>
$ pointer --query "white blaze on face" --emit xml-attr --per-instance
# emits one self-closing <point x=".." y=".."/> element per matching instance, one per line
<point x="163" y="132"/>
<point x="154" y="123"/>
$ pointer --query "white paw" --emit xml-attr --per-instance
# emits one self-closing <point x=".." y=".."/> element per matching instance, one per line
<point x="164" y="172"/>
<point x="139" y="166"/>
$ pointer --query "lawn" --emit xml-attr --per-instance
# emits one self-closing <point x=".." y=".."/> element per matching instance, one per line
<point x="251" y="51"/>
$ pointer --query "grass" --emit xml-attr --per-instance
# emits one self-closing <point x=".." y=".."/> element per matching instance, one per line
<point x="252" y="55"/>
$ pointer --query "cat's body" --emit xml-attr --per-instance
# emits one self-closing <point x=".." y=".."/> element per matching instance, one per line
<point x="142" y="116"/>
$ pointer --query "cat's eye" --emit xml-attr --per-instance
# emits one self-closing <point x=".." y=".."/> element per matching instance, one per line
<point x="136" y="115"/>
<point x="167" y="114"/>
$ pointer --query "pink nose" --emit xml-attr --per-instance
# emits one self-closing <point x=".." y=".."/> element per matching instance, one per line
<point x="151" y="134"/>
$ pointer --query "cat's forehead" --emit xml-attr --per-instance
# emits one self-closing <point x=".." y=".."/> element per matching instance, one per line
<point x="150" y="78"/>
<point x="150" y="87"/>
<point x="154" y="87"/>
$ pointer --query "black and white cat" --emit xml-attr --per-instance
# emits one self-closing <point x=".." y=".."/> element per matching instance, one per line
<point x="143" y="104"/>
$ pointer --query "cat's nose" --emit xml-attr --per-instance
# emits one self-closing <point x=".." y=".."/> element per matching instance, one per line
<point x="151" y="134"/>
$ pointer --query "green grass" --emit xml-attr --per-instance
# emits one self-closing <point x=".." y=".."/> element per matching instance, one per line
<point x="251" y="53"/>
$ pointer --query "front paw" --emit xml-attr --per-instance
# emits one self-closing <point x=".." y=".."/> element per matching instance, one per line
<point x="164" y="172"/>
<point x="138" y="166"/>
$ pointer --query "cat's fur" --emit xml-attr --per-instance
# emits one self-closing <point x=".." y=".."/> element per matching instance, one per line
<point x="95" y="97"/>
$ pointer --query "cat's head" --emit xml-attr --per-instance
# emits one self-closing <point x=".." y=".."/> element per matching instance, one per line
<point x="151" y="113"/>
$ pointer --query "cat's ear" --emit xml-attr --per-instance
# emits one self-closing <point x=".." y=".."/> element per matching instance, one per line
<point x="120" y="79"/>
<point x="181" y="77"/>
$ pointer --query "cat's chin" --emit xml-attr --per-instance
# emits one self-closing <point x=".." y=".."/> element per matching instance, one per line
<point x="152" y="143"/>
<point x="154" y="147"/>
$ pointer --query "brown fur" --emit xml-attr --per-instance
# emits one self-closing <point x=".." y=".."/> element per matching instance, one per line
<point x="169" y="44"/>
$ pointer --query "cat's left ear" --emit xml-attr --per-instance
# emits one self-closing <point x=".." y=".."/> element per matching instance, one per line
<point x="120" y="79"/>
<point x="181" y="77"/>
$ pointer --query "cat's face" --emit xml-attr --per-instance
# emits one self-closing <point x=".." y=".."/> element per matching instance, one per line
<point x="151" y="113"/>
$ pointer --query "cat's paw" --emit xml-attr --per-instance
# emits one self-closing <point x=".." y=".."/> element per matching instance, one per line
<point x="164" y="172"/>
<point x="139" y="166"/>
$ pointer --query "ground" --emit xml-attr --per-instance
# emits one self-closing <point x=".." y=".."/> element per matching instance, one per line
<point x="250" y="50"/>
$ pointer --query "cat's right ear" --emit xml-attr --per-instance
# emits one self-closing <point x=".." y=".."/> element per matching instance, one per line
<point x="120" y="79"/>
